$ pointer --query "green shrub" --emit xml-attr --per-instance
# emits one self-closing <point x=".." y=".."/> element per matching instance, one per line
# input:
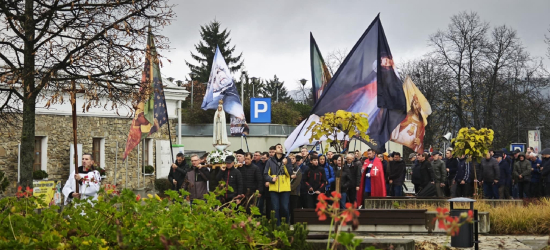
<point x="149" y="169"/>
<point x="39" y="175"/>
<point x="297" y="236"/>
<point x="162" y="185"/>
<point x="127" y="221"/>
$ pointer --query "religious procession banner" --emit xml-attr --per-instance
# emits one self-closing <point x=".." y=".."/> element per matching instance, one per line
<point x="48" y="191"/>
<point x="150" y="110"/>
<point x="320" y="75"/>
<point x="365" y="82"/>
<point x="222" y="88"/>
<point x="410" y="132"/>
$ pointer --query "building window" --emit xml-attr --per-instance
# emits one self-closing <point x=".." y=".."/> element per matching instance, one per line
<point x="40" y="153"/>
<point x="148" y="152"/>
<point x="37" y="165"/>
<point x="98" y="151"/>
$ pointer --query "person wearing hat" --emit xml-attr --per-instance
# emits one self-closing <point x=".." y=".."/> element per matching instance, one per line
<point x="522" y="175"/>
<point x="490" y="177"/>
<point x="505" y="174"/>
<point x="440" y="173"/>
<point x="240" y="156"/>
<point x="232" y="178"/>
<point x="545" y="170"/>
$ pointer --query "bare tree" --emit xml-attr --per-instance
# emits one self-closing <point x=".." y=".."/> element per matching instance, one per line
<point x="503" y="48"/>
<point x="335" y="58"/>
<point x="459" y="48"/>
<point x="99" y="44"/>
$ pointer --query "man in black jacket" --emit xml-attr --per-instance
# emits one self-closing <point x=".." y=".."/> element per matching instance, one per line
<point x="451" y="165"/>
<point x="316" y="180"/>
<point x="397" y="174"/>
<point x="178" y="172"/>
<point x="252" y="179"/>
<point x="232" y="178"/>
<point x="490" y="176"/>
<point x="343" y="177"/>
<point x="354" y="170"/>
<point x="424" y="171"/>
<point x="545" y="169"/>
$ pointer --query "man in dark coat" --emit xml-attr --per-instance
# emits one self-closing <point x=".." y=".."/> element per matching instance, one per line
<point x="232" y="178"/>
<point x="354" y="167"/>
<point x="397" y="174"/>
<point x="505" y="176"/>
<point x="196" y="179"/>
<point x="462" y="177"/>
<point x="440" y="173"/>
<point x="490" y="177"/>
<point x="252" y="178"/>
<point x="343" y="177"/>
<point x="522" y="173"/>
<point x="545" y="169"/>
<point x="178" y="172"/>
<point x="451" y="164"/>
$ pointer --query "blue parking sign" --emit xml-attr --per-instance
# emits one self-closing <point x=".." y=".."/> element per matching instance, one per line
<point x="260" y="110"/>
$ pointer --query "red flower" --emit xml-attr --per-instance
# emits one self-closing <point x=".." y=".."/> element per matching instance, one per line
<point x="138" y="197"/>
<point x="350" y="214"/>
<point x="336" y="204"/>
<point x="322" y="215"/>
<point x="322" y="197"/>
<point x="336" y="195"/>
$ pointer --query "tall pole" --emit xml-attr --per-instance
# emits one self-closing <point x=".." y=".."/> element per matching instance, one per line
<point x="242" y="101"/>
<point x="192" y="94"/>
<point x="73" y="104"/>
<point x="116" y="161"/>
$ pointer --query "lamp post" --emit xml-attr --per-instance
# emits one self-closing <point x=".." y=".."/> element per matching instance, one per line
<point x="277" y="86"/>
<point x="303" y="82"/>
<point x="192" y="75"/>
<point x="254" y="79"/>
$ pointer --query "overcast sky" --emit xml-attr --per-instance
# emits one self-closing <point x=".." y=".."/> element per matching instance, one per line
<point x="274" y="35"/>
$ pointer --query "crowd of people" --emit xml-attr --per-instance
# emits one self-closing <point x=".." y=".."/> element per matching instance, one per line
<point x="285" y="183"/>
<point x="500" y="174"/>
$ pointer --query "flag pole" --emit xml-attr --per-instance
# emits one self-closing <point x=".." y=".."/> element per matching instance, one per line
<point x="73" y="104"/>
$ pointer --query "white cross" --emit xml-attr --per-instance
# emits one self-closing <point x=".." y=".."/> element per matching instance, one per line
<point x="375" y="169"/>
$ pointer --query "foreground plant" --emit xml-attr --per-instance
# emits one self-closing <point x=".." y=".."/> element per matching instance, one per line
<point x="339" y="218"/>
<point x="127" y="221"/>
<point x="452" y="224"/>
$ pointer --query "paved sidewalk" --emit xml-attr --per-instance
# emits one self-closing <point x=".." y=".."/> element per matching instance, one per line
<point x="428" y="242"/>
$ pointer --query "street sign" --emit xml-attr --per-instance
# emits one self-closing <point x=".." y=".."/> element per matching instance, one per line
<point x="520" y="146"/>
<point x="260" y="110"/>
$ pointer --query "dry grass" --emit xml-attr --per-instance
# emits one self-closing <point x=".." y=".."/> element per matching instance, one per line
<point x="531" y="218"/>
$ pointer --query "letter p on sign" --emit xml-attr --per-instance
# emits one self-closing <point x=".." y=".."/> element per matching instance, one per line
<point x="260" y="110"/>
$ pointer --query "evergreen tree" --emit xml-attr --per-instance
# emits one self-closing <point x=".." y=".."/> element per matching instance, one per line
<point x="270" y="90"/>
<point x="212" y="36"/>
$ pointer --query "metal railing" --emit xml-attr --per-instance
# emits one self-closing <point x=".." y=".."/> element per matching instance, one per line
<point x="255" y="130"/>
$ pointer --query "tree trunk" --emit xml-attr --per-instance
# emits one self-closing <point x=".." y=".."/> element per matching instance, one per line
<point x="29" y="100"/>
<point x="27" y="140"/>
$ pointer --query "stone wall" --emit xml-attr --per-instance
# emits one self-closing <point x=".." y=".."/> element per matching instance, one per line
<point x="58" y="129"/>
